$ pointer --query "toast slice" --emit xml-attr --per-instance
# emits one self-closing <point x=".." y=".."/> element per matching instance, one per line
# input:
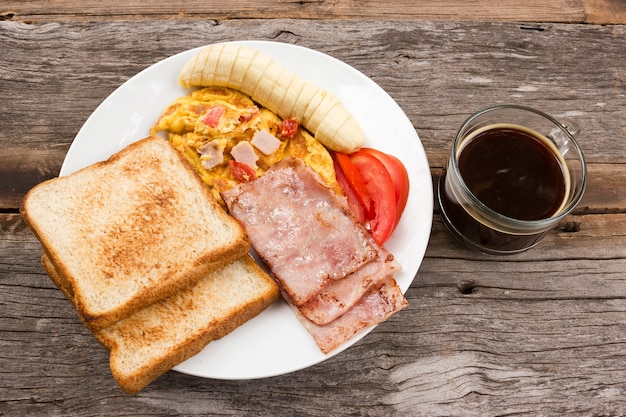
<point x="130" y="231"/>
<point x="159" y="337"/>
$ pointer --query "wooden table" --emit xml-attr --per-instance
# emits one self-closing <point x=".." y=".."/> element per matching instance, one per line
<point x="542" y="333"/>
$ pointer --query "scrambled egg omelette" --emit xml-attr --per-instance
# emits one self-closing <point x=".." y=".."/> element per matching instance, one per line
<point x="228" y="138"/>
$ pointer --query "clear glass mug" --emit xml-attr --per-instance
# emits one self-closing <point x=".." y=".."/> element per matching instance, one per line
<point x="480" y="194"/>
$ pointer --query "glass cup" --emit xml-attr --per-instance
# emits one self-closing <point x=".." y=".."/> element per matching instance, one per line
<point x="513" y="174"/>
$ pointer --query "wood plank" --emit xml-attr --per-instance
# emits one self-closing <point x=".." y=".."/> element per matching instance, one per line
<point x="578" y="238"/>
<point x="605" y="11"/>
<point x="542" y="330"/>
<point x="439" y="73"/>
<point x="566" y="11"/>
<point x="22" y="168"/>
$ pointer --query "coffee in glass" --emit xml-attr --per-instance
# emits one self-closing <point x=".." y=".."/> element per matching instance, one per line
<point x="512" y="175"/>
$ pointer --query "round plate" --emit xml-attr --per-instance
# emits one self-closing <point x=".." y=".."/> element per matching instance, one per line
<point x="274" y="342"/>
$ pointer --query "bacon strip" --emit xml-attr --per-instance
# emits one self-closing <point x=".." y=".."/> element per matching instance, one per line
<point x="299" y="228"/>
<point x="333" y="275"/>
<point x="339" y="296"/>
<point x="374" y="307"/>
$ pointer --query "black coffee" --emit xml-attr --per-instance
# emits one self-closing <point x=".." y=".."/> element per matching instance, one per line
<point x="514" y="173"/>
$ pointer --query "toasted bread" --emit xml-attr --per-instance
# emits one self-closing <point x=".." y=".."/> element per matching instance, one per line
<point x="131" y="231"/>
<point x="157" y="338"/>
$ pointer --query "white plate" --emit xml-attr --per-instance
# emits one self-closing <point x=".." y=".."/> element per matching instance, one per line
<point x="273" y="343"/>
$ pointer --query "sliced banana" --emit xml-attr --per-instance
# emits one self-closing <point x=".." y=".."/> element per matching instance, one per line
<point x="266" y="86"/>
<point x="334" y="128"/>
<point x="306" y="96"/>
<point x="224" y="66"/>
<point x="192" y="72"/>
<point x="243" y="59"/>
<point x="321" y="104"/>
<point x="280" y="91"/>
<point x="321" y="113"/>
<point x="290" y="97"/>
<point x="254" y="73"/>
<point x="277" y="88"/>
<point x="210" y="65"/>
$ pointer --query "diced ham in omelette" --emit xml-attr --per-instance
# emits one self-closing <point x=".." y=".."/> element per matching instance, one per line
<point x="244" y="152"/>
<point x="265" y="142"/>
<point x="212" y="154"/>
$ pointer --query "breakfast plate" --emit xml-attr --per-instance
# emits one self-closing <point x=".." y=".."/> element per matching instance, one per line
<point x="274" y="342"/>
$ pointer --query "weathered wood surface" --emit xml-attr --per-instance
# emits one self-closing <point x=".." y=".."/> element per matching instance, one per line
<point x="564" y="11"/>
<point x="542" y="333"/>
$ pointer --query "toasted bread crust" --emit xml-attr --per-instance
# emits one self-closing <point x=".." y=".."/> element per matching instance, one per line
<point x="132" y="230"/>
<point x="153" y="334"/>
<point x="136" y="381"/>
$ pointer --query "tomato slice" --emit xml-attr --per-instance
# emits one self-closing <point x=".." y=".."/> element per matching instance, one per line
<point x="399" y="175"/>
<point x="353" y="202"/>
<point x="242" y="172"/>
<point x="381" y="190"/>
<point x="356" y="182"/>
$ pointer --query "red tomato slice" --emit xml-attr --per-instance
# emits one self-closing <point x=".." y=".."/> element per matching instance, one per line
<point x="382" y="192"/>
<point x="242" y="172"/>
<point x="353" y="202"/>
<point x="356" y="182"/>
<point x="399" y="175"/>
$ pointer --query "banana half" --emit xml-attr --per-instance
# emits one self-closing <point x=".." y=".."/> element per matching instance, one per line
<point x="277" y="88"/>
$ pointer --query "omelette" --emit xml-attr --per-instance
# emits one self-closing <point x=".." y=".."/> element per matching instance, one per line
<point x="228" y="138"/>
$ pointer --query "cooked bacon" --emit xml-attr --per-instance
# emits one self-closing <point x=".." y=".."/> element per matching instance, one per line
<point x="332" y="274"/>
<point x="299" y="228"/>
<point x="244" y="152"/>
<point x="265" y="142"/>
<point x="339" y="296"/>
<point x="376" y="305"/>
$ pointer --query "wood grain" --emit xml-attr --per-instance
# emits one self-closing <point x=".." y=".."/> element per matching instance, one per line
<point x="439" y="73"/>
<point x="564" y="11"/>
<point x="532" y="337"/>
<point x="541" y="333"/>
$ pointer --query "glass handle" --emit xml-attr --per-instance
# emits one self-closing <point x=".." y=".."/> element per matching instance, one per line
<point x="560" y="138"/>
